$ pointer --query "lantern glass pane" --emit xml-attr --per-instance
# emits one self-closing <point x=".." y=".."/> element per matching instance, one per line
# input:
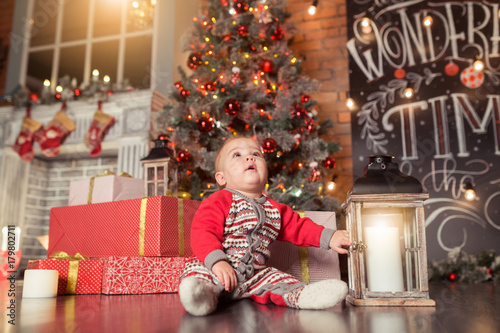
<point x="151" y="190"/>
<point x="151" y="172"/>
<point x="160" y="173"/>
<point x="383" y="236"/>
<point x="161" y="189"/>
<point x="411" y="250"/>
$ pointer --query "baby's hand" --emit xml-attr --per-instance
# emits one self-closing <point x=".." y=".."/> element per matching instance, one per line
<point x="340" y="238"/>
<point x="226" y="274"/>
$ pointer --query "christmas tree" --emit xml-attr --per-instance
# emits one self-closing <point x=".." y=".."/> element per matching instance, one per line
<point x="245" y="80"/>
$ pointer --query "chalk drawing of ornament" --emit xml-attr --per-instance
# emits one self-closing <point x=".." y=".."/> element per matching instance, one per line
<point x="472" y="78"/>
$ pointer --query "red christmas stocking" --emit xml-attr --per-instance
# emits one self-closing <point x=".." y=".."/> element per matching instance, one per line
<point x="52" y="134"/>
<point x="96" y="132"/>
<point x="24" y="142"/>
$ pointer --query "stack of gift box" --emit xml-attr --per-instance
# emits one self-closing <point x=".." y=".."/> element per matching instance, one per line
<point x="111" y="240"/>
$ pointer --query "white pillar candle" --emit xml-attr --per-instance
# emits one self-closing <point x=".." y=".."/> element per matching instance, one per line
<point x="384" y="267"/>
<point x="40" y="283"/>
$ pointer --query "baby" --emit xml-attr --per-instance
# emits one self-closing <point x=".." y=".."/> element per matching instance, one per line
<point x="230" y="238"/>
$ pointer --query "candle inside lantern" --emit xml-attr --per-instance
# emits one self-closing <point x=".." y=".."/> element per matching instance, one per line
<point x="384" y="267"/>
<point x="40" y="283"/>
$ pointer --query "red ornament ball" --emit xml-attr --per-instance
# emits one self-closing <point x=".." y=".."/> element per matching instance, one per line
<point x="269" y="145"/>
<point x="240" y="6"/>
<point x="183" y="156"/>
<point x="205" y="124"/>
<point x="451" y="69"/>
<point x="399" y="73"/>
<point x="299" y="112"/>
<point x="310" y="124"/>
<point x="242" y="30"/>
<point x="305" y="98"/>
<point x="194" y="60"/>
<point x="232" y="107"/>
<point x="329" y="163"/>
<point x="178" y="85"/>
<point x="163" y="137"/>
<point x="211" y="86"/>
<point x="267" y="66"/>
<point x="277" y="33"/>
<point x="184" y="93"/>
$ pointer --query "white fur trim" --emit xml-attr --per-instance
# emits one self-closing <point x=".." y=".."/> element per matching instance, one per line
<point x="197" y="296"/>
<point x="322" y="294"/>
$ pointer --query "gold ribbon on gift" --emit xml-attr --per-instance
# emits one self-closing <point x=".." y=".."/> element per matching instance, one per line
<point x="304" y="256"/>
<point x="74" y="261"/>
<point x="105" y="173"/>
<point x="142" y="225"/>
<point x="180" y="226"/>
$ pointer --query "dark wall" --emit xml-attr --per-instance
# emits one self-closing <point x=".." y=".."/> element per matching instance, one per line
<point x="448" y="133"/>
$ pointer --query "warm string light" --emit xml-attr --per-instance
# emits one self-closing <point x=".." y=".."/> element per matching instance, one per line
<point x="349" y="101"/>
<point x="408" y="92"/>
<point x="470" y="193"/>
<point x="427" y="21"/>
<point x="366" y="26"/>
<point x="478" y="65"/>
<point x="312" y="9"/>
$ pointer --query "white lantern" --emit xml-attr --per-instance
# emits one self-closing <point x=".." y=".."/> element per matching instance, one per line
<point x="387" y="263"/>
<point x="160" y="171"/>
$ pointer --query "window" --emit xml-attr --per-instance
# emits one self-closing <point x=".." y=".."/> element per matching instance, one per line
<point x="74" y="37"/>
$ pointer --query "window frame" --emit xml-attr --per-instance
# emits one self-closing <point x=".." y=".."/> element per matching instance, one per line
<point x="88" y="42"/>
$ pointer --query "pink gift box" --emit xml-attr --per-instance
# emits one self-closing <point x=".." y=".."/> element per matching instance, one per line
<point x="141" y="275"/>
<point x="105" y="189"/>
<point x="307" y="263"/>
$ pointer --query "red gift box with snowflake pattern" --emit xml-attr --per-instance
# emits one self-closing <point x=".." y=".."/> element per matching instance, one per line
<point x="141" y="275"/>
<point x="75" y="276"/>
<point x="153" y="226"/>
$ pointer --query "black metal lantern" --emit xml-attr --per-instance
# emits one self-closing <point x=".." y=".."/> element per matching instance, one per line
<point x="387" y="263"/>
<point x="160" y="171"/>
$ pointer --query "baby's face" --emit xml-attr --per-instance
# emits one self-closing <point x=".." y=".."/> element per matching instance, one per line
<point x="243" y="167"/>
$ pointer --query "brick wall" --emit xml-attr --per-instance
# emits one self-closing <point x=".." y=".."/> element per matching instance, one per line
<point x="48" y="187"/>
<point x="6" y="17"/>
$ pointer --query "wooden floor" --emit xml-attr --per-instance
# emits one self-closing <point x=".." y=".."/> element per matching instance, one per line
<point x="460" y="308"/>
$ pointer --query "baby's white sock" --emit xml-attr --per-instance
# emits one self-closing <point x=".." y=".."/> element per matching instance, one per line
<point x="322" y="294"/>
<point x="198" y="297"/>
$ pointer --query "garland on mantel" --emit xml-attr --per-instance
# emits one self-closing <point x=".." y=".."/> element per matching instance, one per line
<point x="462" y="267"/>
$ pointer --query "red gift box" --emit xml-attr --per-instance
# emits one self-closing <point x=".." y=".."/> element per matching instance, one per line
<point x="154" y="226"/>
<point x="308" y="264"/>
<point x="141" y="275"/>
<point x="87" y="273"/>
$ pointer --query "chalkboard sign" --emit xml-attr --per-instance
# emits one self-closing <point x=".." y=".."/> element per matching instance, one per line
<point x="447" y="134"/>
